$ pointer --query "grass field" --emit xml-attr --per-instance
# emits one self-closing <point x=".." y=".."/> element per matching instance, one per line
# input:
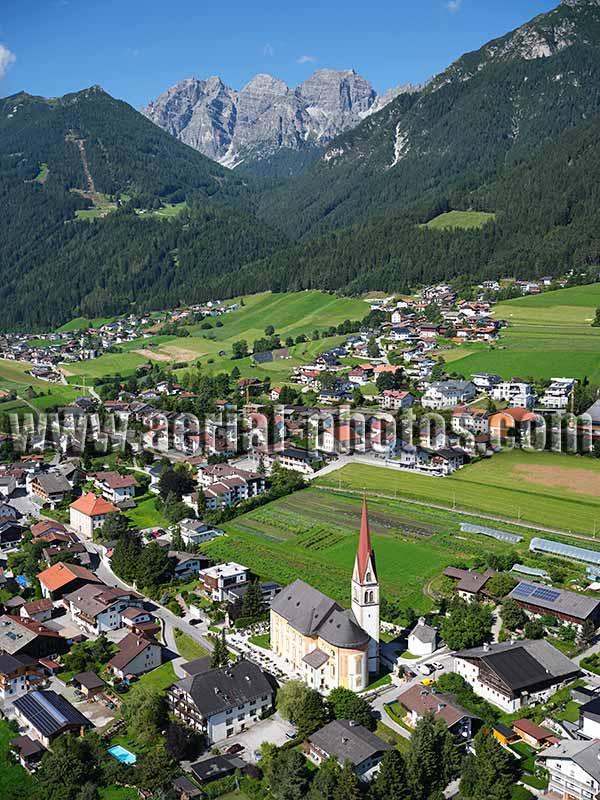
<point x="14" y="379"/>
<point x="550" y="335"/>
<point x="188" y="647"/>
<point x="14" y="780"/>
<point x="545" y="489"/>
<point x="460" y="219"/>
<point x="290" y="314"/>
<point x="145" y="514"/>
<point x="82" y="323"/>
<point x="160" y="678"/>
<point x="313" y="534"/>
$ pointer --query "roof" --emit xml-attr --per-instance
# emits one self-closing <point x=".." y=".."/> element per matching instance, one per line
<point x="45" y="604"/>
<point x="61" y="574"/>
<point x="129" y="647"/>
<point x="49" y="712"/>
<point x="52" y="483"/>
<point x="89" y="680"/>
<point x="555" y="600"/>
<point x="531" y="729"/>
<point x="183" y="785"/>
<point x="15" y="633"/>
<point x="424" y="632"/>
<point x="443" y="706"/>
<point x="504" y="730"/>
<point x="591" y="709"/>
<point x="116" y="481"/>
<point x="316" y="658"/>
<point x="472" y="582"/>
<point x="227" y="687"/>
<point x="348" y="741"/>
<point x="45" y="526"/>
<point x="524" y="663"/>
<point x="197" y="666"/>
<point x="27" y="746"/>
<point x="214" y="767"/>
<point x="365" y="554"/>
<point x="93" y="506"/>
<point x="312" y="613"/>
<point x="10" y="664"/>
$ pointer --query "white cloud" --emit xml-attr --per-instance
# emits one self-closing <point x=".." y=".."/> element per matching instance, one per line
<point x="7" y="59"/>
<point x="306" y="59"/>
<point x="268" y="50"/>
<point x="454" y="6"/>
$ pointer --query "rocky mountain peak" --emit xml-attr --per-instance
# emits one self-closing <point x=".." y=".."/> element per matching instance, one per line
<point x="265" y="115"/>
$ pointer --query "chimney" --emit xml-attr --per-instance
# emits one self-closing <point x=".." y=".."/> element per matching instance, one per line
<point x="486" y="646"/>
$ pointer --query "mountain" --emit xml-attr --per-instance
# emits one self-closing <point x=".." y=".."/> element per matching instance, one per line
<point x="266" y="117"/>
<point x="486" y="111"/>
<point x="89" y="155"/>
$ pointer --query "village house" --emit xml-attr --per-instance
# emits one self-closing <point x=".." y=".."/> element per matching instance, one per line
<point x="46" y="715"/>
<point x="447" y="394"/>
<point x="513" y="675"/>
<point x="88" y="513"/>
<point x="223" y="702"/>
<point x="423" y="639"/>
<point x="50" y="488"/>
<point x="185" y="565"/>
<point x="574" y="769"/>
<point x="115" y="488"/>
<point x="470" y="420"/>
<point x="216" y="581"/>
<point x="469" y="585"/>
<point x="17" y="675"/>
<point x="558" y="395"/>
<point x="485" y="381"/>
<point x="348" y="742"/>
<point x="97" y="608"/>
<point x="61" y="578"/>
<point x="418" y="701"/>
<point x="136" y="655"/>
<point x="26" y="637"/>
<point x="395" y="400"/>
<point x="38" y="610"/>
<point x="515" y="393"/>
<point x="195" y="532"/>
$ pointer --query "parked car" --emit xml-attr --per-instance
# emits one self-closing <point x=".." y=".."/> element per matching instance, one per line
<point x="437" y="665"/>
<point x="235" y="749"/>
<point x="424" y="669"/>
<point x="427" y="682"/>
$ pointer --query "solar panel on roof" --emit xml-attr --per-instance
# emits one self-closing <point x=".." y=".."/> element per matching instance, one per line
<point x="523" y="590"/>
<point x="546" y="594"/>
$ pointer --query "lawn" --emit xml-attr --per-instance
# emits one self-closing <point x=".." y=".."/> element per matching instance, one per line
<point x="14" y="780"/>
<point x="160" y="678"/>
<point x="313" y="534"/>
<point x="547" y="489"/>
<point x="189" y="648"/>
<point x="262" y="640"/>
<point x="465" y="220"/>
<point x="145" y="514"/>
<point x="82" y="323"/>
<point x="118" y="793"/>
<point x="549" y="335"/>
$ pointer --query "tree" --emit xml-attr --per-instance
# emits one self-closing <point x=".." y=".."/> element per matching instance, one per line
<point x="513" y="615"/>
<point x="596" y="322"/>
<point x="220" y="655"/>
<point x="588" y="631"/>
<point x="253" y="603"/>
<point x="346" y="704"/>
<point x="126" y="553"/>
<point x="302" y="706"/>
<point x="177" y="542"/>
<point x="326" y="780"/>
<point x="154" y="771"/>
<point x="239" y="349"/>
<point x="432" y="759"/>
<point x="67" y="767"/>
<point x="312" y="714"/>
<point x="115" y="526"/>
<point x="153" y="566"/>
<point x="200" y="502"/>
<point x="145" y="712"/>
<point x="490" y="773"/>
<point x="466" y="625"/>
<point x="500" y="585"/>
<point x="534" y="630"/>
<point x="348" y="787"/>
<point x="181" y="742"/>
<point x="287" y="775"/>
<point x="269" y="330"/>
<point x="372" y="348"/>
<point x="391" y="782"/>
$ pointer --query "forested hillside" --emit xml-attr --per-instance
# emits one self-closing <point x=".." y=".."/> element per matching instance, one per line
<point x="103" y="211"/>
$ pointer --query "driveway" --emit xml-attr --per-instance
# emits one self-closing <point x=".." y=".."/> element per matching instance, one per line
<point x="271" y="730"/>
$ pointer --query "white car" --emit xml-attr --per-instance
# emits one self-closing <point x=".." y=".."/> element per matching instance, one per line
<point x="424" y="669"/>
<point x="437" y="665"/>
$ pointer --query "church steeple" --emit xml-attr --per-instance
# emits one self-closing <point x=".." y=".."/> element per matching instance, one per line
<point x="365" y="589"/>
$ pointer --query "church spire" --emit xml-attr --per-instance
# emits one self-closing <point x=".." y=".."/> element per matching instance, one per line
<point x="365" y="554"/>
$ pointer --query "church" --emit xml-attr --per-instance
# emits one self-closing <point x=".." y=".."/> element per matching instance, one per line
<point x="324" y="643"/>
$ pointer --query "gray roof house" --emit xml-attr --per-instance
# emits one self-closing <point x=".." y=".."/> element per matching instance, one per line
<point x="47" y="715"/>
<point x="574" y="607"/>
<point x="574" y="768"/>
<point x="346" y="740"/>
<point x="223" y="702"/>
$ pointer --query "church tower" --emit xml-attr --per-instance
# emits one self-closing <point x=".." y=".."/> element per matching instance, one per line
<point x="365" y="590"/>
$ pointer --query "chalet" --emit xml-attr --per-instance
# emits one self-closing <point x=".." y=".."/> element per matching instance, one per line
<point x="485" y="381"/>
<point x="348" y="742"/>
<point x="589" y="718"/>
<point x="27" y="751"/>
<point x="17" y="675"/>
<point x="469" y="585"/>
<point x="513" y="675"/>
<point x="38" y="610"/>
<point x="97" y="608"/>
<point x="41" y="530"/>
<point x="88" y="683"/>
<point x="515" y="422"/>
<point x="532" y="734"/>
<point x="538" y="599"/>
<point x="50" y="488"/>
<point x="88" y="513"/>
<point x="115" y="488"/>
<point x="361" y="375"/>
<point x="136" y="655"/>
<point x="298" y="459"/>
<point x="471" y="420"/>
<point x="61" y="578"/>
<point x="11" y="534"/>
<point x="418" y="701"/>
<point x="225" y="701"/>
<point x="184" y="565"/>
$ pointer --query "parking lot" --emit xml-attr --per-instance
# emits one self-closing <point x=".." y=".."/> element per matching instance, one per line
<point x="272" y="730"/>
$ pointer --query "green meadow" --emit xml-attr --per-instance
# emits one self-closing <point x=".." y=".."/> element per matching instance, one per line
<point x="465" y="220"/>
<point x="549" y="335"/>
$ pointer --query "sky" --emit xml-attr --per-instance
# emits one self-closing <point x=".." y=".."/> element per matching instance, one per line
<point x="135" y="49"/>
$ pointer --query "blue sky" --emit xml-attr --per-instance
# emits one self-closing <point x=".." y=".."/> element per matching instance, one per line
<point x="135" y="49"/>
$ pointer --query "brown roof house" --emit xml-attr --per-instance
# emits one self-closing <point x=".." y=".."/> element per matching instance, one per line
<point x="136" y="655"/>
<point x="419" y="701"/>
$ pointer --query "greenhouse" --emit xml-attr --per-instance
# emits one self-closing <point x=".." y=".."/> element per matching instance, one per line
<point x="565" y="550"/>
<point x="501" y="536"/>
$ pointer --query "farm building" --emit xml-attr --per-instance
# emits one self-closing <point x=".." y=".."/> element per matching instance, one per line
<point x="570" y="607"/>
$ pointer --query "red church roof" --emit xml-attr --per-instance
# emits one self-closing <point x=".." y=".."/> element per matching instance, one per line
<point x="365" y="551"/>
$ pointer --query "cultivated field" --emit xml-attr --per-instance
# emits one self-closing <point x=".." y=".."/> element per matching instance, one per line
<point x="313" y="534"/>
<point x="546" y="489"/>
<point x="550" y="335"/>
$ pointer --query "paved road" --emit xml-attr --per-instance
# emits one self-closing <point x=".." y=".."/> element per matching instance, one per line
<point x="171" y="621"/>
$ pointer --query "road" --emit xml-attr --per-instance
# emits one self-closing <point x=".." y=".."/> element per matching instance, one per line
<point x="171" y="621"/>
